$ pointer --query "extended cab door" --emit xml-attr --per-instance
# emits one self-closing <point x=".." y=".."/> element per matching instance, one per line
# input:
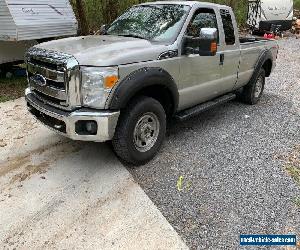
<point x="229" y="50"/>
<point x="200" y="76"/>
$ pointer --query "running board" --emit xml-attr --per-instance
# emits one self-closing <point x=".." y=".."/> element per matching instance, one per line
<point x="186" y="114"/>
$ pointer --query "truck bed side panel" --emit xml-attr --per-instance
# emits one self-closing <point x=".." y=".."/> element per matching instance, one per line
<point x="250" y="53"/>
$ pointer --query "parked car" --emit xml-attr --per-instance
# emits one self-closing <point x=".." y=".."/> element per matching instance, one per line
<point x="263" y="14"/>
<point x="156" y="62"/>
<point x="24" y="24"/>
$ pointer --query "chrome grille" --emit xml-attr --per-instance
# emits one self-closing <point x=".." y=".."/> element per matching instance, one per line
<point x="50" y="76"/>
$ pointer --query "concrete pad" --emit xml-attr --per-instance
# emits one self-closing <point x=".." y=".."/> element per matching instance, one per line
<point x="60" y="194"/>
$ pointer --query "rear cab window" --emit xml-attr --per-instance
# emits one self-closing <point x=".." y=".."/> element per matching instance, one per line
<point x="228" y="27"/>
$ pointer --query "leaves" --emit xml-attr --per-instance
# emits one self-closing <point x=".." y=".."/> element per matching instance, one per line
<point x="100" y="12"/>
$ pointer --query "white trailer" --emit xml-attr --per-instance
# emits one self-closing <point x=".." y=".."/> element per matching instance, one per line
<point x="23" y="23"/>
<point x="262" y="14"/>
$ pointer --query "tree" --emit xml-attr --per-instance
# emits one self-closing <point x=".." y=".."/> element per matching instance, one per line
<point x="83" y="24"/>
<point x="110" y="10"/>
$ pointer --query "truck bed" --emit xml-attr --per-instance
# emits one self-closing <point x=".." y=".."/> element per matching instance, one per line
<point x="251" y="49"/>
<point x="246" y="40"/>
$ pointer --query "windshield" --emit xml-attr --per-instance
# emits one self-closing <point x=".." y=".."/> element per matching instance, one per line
<point x="160" y="23"/>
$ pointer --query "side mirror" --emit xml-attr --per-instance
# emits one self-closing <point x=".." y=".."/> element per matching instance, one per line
<point x="208" y="42"/>
<point x="103" y="29"/>
<point x="204" y="45"/>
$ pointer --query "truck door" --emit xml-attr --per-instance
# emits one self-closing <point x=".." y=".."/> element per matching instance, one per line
<point x="229" y="50"/>
<point x="200" y="76"/>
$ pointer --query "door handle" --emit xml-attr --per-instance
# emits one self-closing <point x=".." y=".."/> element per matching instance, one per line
<point x="222" y="59"/>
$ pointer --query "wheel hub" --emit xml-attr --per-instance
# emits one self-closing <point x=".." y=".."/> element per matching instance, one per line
<point x="146" y="132"/>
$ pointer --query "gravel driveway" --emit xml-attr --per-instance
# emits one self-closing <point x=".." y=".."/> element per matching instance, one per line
<point x="228" y="163"/>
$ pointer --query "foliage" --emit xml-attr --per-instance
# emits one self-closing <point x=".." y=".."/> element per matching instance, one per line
<point x="100" y="12"/>
<point x="297" y="4"/>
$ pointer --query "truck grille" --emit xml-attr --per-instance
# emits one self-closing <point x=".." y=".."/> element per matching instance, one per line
<point x="49" y="77"/>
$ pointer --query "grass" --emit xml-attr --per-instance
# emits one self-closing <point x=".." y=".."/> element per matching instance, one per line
<point x="13" y="88"/>
<point x="297" y="201"/>
<point x="294" y="172"/>
<point x="292" y="167"/>
<point x="293" y="164"/>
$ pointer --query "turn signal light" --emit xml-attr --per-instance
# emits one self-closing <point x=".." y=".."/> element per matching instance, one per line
<point x="214" y="48"/>
<point x="110" y="82"/>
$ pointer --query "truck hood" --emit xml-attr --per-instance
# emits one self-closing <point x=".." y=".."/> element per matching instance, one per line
<point x="106" y="50"/>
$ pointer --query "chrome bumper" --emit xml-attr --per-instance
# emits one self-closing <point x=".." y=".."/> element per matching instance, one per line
<point x="64" y="122"/>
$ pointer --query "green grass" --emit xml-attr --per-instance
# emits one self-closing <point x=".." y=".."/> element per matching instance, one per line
<point x="293" y="164"/>
<point x="294" y="172"/>
<point x="297" y="201"/>
<point x="13" y="88"/>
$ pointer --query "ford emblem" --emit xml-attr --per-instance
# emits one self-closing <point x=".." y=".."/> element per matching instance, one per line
<point x="39" y="79"/>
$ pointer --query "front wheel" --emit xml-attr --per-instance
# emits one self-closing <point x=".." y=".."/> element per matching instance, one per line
<point x="141" y="131"/>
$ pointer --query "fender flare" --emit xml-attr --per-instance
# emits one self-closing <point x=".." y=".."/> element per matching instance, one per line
<point x="264" y="56"/>
<point x="139" y="80"/>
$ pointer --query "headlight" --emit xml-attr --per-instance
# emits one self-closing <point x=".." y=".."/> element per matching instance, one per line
<point x="96" y="84"/>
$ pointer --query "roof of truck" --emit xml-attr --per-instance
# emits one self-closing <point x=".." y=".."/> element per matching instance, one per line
<point x="189" y="3"/>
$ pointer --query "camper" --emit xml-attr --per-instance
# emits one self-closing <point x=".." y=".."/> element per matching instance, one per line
<point x="265" y="14"/>
<point x="24" y="23"/>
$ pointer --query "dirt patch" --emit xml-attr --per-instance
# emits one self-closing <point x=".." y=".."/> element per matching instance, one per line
<point x="37" y="161"/>
<point x="11" y="89"/>
<point x="31" y="170"/>
<point x="2" y="144"/>
<point x="13" y="164"/>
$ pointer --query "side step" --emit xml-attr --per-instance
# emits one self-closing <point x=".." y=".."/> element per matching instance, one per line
<point x="186" y="114"/>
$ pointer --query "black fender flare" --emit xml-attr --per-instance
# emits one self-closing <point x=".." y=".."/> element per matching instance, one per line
<point x="139" y="80"/>
<point x="264" y="56"/>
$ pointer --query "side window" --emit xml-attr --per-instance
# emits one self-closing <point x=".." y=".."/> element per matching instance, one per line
<point x="203" y="18"/>
<point x="228" y="27"/>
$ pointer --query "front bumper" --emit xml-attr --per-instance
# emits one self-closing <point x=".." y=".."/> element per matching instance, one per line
<point x="66" y="123"/>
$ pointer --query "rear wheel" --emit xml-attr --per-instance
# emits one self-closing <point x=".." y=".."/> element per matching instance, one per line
<point x="141" y="131"/>
<point x="252" y="92"/>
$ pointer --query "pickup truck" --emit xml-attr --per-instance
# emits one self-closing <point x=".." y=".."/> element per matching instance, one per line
<point x="156" y="62"/>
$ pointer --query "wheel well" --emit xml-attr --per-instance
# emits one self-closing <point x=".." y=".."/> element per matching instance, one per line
<point x="161" y="94"/>
<point x="267" y="66"/>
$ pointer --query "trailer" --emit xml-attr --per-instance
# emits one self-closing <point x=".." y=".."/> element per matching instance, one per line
<point x="264" y="14"/>
<point x="24" y="23"/>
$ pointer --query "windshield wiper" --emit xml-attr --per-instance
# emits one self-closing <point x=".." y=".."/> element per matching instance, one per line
<point x="134" y="36"/>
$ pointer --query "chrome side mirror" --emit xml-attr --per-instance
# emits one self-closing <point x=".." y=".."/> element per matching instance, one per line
<point x="208" y="43"/>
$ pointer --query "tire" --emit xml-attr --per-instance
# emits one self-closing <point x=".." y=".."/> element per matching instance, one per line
<point x="140" y="131"/>
<point x="252" y="92"/>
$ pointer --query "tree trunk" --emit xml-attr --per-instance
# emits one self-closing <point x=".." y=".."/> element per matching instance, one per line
<point x="83" y="25"/>
<point x="110" y="10"/>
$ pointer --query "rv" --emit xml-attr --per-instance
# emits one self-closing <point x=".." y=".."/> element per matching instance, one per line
<point x="24" y="23"/>
<point x="263" y="14"/>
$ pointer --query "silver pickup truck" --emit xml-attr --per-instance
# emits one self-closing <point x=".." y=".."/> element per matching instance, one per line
<point x="157" y="61"/>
